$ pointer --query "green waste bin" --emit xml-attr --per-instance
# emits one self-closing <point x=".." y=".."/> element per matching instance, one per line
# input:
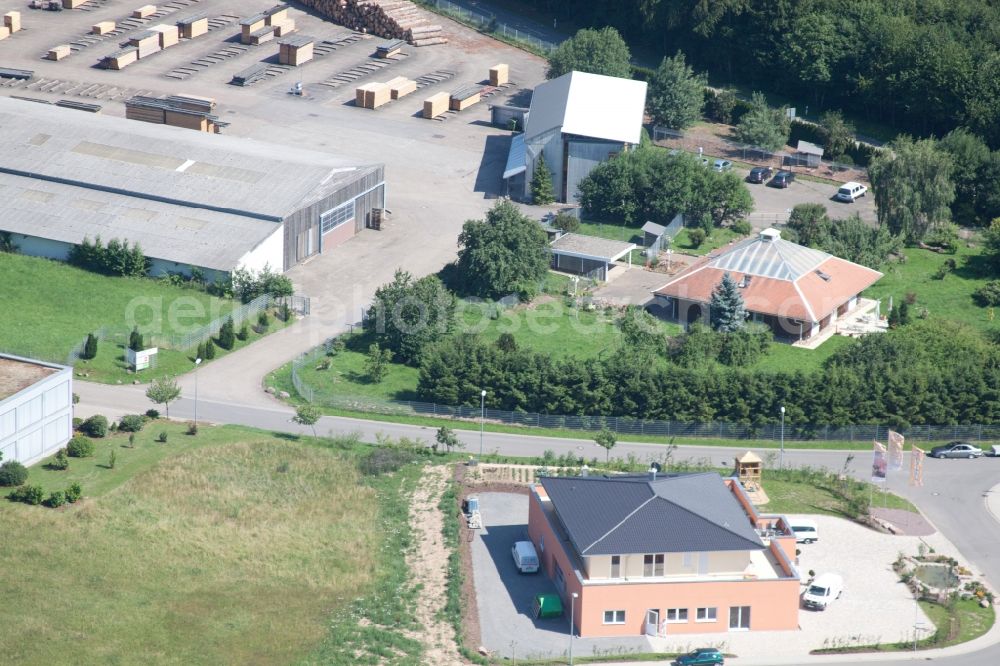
<point x="548" y="605"/>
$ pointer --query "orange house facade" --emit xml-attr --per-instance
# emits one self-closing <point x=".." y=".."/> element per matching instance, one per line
<point x="664" y="555"/>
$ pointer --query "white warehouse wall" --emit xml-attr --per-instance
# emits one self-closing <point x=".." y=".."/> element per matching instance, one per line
<point x="36" y="422"/>
<point x="270" y="252"/>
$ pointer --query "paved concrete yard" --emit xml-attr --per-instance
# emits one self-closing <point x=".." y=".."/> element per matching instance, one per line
<point x="504" y="596"/>
<point x="772" y="204"/>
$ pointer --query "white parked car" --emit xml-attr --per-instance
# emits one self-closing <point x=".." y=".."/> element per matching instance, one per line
<point x="805" y="530"/>
<point x="849" y="192"/>
<point x="822" y="591"/>
<point x="525" y="556"/>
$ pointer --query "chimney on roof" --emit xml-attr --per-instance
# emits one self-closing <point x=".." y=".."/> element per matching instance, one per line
<point x="654" y="469"/>
<point x="770" y="234"/>
<point x="584" y="471"/>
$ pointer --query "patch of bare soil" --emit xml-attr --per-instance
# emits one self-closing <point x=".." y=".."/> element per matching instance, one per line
<point x="427" y="562"/>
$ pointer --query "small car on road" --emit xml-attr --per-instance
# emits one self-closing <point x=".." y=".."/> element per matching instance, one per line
<point x="782" y="179"/>
<point x="760" y="174"/>
<point x="956" y="449"/>
<point x="849" y="192"/>
<point x="700" y="656"/>
<point x="722" y="165"/>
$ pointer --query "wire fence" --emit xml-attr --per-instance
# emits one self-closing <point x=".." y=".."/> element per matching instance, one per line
<point x="487" y="23"/>
<point x="622" y="425"/>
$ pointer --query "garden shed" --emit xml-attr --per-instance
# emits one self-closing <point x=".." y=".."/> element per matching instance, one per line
<point x="808" y="154"/>
<point x="588" y="255"/>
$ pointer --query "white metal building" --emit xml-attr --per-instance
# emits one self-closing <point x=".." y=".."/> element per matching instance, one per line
<point x="188" y="198"/>
<point x="36" y="408"/>
<point x="577" y="121"/>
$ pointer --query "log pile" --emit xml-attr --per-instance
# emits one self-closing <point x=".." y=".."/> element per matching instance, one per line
<point x="391" y="19"/>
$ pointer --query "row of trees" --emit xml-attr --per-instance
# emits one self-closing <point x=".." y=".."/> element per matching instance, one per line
<point x="649" y="183"/>
<point x="116" y="258"/>
<point x="928" y="67"/>
<point x="922" y="373"/>
<point x="851" y="238"/>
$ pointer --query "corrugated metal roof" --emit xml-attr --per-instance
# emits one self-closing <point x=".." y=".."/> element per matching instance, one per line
<point x="654" y="228"/>
<point x="515" y="157"/>
<point x="768" y="255"/>
<point x="188" y="236"/>
<point x="591" y="105"/>
<point x="635" y="514"/>
<point x="225" y="173"/>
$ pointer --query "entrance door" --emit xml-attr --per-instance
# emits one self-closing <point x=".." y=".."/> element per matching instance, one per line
<point x="739" y="618"/>
<point x="653" y="622"/>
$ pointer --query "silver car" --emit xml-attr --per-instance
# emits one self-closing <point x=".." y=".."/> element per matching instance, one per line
<point x="956" y="450"/>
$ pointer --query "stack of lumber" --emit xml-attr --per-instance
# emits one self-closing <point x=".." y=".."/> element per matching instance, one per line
<point x="193" y="26"/>
<point x="252" y="25"/>
<point x="391" y="19"/>
<point x="147" y="42"/>
<point x="144" y="12"/>
<point x="250" y="75"/>
<point x="72" y="4"/>
<point x="12" y="21"/>
<point x="187" y="111"/>
<point x="121" y="59"/>
<point x="169" y="34"/>
<point x="102" y="28"/>
<point x="58" y="52"/>
<point x="295" y="51"/>
<point x="499" y="75"/>
<point x="372" y="95"/>
<point x="465" y="97"/>
<point x="277" y="18"/>
<point x="435" y="105"/>
<point x="4" y="32"/>
<point x="401" y="86"/>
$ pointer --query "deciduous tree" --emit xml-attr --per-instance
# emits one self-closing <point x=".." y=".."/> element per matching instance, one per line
<point x="596" y="51"/>
<point x="408" y="315"/>
<point x="763" y="126"/>
<point x="913" y="187"/>
<point x="163" y="391"/>
<point x="676" y="93"/>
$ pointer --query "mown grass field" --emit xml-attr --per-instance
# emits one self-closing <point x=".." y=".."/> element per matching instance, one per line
<point x="57" y="305"/>
<point x="233" y="546"/>
<point x="948" y="298"/>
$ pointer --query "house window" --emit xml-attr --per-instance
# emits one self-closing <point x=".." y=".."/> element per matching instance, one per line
<point x="652" y="565"/>
<point x="336" y="217"/>
<point x="614" y="617"/>
<point x="677" y="615"/>
<point x="616" y="566"/>
<point x="739" y="618"/>
<point x="706" y="615"/>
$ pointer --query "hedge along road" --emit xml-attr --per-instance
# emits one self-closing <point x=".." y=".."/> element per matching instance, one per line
<point x="952" y="496"/>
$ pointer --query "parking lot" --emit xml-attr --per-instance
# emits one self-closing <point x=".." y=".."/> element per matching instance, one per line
<point x="875" y="606"/>
<point x="772" y="205"/>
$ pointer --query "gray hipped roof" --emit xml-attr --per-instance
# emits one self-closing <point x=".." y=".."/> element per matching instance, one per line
<point x="768" y="255"/>
<point x="635" y="514"/>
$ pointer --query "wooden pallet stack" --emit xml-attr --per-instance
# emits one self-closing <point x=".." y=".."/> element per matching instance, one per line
<point x="392" y="19"/>
<point x="11" y="24"/>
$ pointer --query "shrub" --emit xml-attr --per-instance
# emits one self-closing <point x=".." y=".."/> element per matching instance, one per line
<point x="112" y="459"/>
<point x="80" y="447"/>
<point x="696" y="236"/>
<point x="77" y="422"/>
<point x="13" y="473"/>
<point x="201" y="351"/>
<point x="56" y="499"/>
<point x="988" y="294"/>
<point x="742" y="227"/>
<point x="74" y="493"/>
<point x="244" y="331"/>
<point x="132" y="423"/>
<point x="162" y="438"/>
<point x="89" y="347"/>
<point x="227" y="334"/>
<point x="135" y="341"/>
<point x="911" y="297"/>
<point x="263" y="321"/>
<point x="61" y="461"/>
<point x="28" y="494"/>
<point x="209" y="350"/>
<point x="192" y="428"/>
<point x="95" y="426"/>
<point x="566" y="222"/>
<point x="152" y="414"/>
<point x="383" y="460"/>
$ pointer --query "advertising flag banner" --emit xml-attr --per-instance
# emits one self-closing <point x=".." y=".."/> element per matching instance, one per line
<point x="916" y="466"/>
<point x="895" y="451"/>
<point x="879" y="463"/>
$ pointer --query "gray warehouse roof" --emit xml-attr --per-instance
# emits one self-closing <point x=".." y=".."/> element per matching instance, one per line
<point x="188" y="236"/>
<point x="635" y="514"/>
<point x="159" y="162"/>
<point x="590" y="247"/>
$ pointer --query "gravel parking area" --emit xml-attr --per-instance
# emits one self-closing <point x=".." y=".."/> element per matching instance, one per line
<point x="772" y="204"/>
<point x="875" y="606"/>
<point x="504" y="596"/>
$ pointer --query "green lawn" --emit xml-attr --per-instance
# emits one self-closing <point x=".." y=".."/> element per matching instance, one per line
<point x="790" y="495"/>
<point x="950" y="298"/>
<point x="74" y="302"/>
<point x="719" y="237"/>
<point x="612" y="231"/>
<point x="784" y="357"/>
<point x="232" y="546"/>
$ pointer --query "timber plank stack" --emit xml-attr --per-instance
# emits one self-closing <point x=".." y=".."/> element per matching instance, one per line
<point x="188" y="111"/>
<point x="193" y="26"/>
<point x="435" y="105"/>
<point x="391" y="19"/>
<point x="296" y="50"/>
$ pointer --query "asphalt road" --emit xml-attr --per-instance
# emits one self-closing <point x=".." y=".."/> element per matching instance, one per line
<point x="952" y="497"/>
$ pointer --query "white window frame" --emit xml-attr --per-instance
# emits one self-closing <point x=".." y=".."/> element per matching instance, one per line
<point x="617" y="617"/>
<point x="677" y="616"/>
<point x="614" y="565"/>
<point x="656" y="567"/>
<point x="702" y="614"/>
<point x="339" y="216"/>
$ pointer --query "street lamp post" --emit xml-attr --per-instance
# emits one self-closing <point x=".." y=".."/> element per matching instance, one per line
<point x="197" y="362"/>
<point x="572" y="619"/>
<point x="781" y="456"/>
<point x="482" y="420"/>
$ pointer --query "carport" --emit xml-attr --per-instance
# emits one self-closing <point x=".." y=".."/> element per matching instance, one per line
<point x="588" y="255"/>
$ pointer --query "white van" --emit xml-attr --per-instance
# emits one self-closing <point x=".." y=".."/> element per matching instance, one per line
<point x="525" y="557"/>
<point x="824" y="589"/>
<point x="848" y="192"/>
<point x="805" y="530"/>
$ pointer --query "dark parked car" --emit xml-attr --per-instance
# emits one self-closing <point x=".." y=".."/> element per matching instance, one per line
<point x="760" y="174"/>
<point x="782" y="179"/>
<point x="956" y="450"/>
<point x="700" y="656"/>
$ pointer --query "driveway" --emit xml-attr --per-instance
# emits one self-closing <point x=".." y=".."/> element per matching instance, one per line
<point x="773" y="205"/>
<point x="633" y="287"/>
<point x="504" y="596"/>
